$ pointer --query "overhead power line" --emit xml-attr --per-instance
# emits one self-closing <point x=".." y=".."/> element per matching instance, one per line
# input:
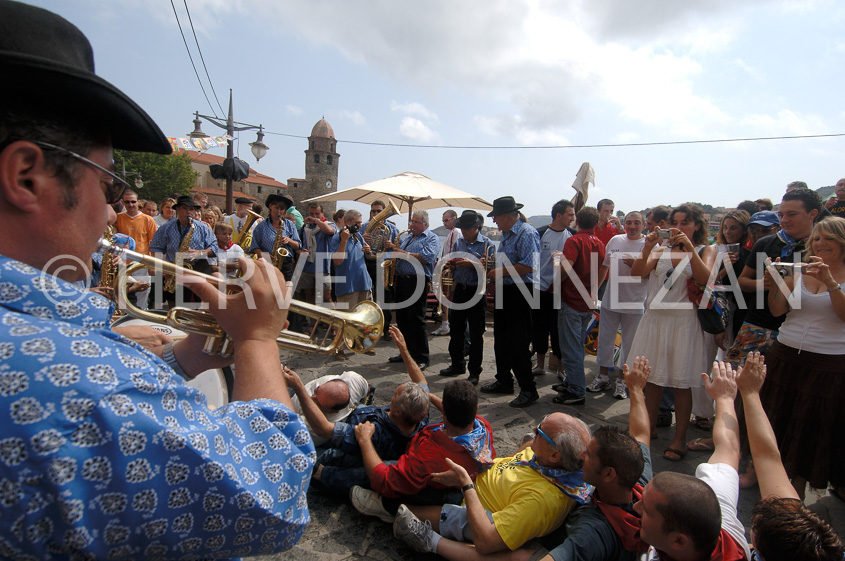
<point x="560" y="147"/>
<point x="202" y="58"/>
<point x="192" y="58"/>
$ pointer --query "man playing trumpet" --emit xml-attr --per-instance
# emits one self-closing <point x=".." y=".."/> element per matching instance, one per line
<point x="98" y="459"/>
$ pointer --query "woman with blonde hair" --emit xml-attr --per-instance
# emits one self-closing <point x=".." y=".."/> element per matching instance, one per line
<point x="806" y="365"/>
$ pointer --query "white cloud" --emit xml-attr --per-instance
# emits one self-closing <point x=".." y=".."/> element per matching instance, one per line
<point x="541" y="63"/>
<point x="416" y="131"/>
<point x="414" y="108"/>
<point x="293" y="109"/>
<point x="354" y="116"/>
<point x="784" y="123"/>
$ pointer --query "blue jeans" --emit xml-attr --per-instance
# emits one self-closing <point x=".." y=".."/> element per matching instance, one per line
<point x="572" y="329"/>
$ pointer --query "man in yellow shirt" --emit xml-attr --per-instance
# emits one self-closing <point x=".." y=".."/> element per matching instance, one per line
<point x="519" y="498"/>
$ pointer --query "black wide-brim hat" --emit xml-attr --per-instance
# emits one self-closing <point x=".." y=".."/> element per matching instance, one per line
<point x="504" y="205"/>
<point x="469" y="219"/>
<point x="187" y="201"/>
<point x="286" y="201"/>
<point x="48" y="64"/>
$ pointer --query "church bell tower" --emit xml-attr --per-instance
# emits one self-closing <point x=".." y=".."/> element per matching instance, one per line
<point x="321" y="163"/>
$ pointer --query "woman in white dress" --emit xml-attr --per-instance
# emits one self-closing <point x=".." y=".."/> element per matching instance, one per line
<point x="669" y="335"/>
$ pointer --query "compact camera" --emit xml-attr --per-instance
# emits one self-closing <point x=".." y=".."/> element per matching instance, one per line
<point x="664" y="234"/>
<point x="788" y="269"/>
<point x="353" y="229"/>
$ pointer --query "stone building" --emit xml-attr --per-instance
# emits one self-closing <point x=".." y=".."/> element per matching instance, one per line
<point x="321" y="165"/>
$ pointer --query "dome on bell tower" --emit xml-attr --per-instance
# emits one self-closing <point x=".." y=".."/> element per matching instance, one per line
<point x="322" y="129"/>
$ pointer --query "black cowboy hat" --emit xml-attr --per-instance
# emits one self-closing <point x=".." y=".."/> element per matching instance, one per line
<point x="185" y="200"/>
<point x="284" y="199"/>
<point x="469" y="219"/>
<point x="47" y="63"/>
<point x="504" y="205"/>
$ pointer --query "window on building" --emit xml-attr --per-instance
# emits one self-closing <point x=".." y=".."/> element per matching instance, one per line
<point x="312" y="145"/>
<point x="332" y="147"/>
<point x="259" y="188"/>
<point x="316" y="158"/>
<point x="329" y="159"/>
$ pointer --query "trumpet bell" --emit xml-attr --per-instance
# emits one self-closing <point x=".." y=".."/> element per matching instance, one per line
<point x="359" y="329"/>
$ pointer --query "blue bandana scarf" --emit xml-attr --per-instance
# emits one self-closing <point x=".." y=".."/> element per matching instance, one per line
<point x="478" y="442"/>
<point x="791" y="244"/>
<point x="570" y="483"/>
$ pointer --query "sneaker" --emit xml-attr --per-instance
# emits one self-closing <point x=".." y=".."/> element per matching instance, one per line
<point x="599" y="385"/>
<point x="621" y="391"/>
<point x="412" y="530"/>
<point x="538" y="371"/>
<point x="369" y="503"/>
<point x="442" y="330"/>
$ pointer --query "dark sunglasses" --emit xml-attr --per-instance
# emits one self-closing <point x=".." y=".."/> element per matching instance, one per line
<point x="114" y="190"/>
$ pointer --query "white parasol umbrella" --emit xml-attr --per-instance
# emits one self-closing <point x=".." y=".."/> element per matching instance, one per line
<point x="409" y="190"/>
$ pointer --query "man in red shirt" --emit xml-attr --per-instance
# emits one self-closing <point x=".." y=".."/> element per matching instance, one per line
<point x="463" y="436"/>
<point x="583" y="272"/>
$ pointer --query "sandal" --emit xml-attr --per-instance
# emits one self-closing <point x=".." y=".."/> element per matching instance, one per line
<point x="681" y="454"/>
<point x="703" y="423"/>
<point x="701" y="445"/>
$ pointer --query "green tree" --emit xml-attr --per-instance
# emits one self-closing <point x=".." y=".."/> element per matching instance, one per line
<point x="162" y="175"/>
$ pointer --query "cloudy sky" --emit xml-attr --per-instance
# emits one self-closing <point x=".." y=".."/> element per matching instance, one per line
<point x="468" y="76"/>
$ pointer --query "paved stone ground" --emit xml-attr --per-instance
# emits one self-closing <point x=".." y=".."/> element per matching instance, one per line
<point x="338" y="532"/>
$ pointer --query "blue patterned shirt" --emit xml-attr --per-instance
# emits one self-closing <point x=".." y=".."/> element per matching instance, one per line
<point x="264" y="236"/>
<point x="477" y="249"/>
<point x="106" y="451"/>
<point x="427" y="245"/>
<point x="521" y="245"/>
<point x="168" y="238"/>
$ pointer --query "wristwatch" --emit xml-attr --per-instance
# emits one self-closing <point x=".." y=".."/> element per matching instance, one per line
<point x="835" y="288"/>
<point x="467" y="487"/>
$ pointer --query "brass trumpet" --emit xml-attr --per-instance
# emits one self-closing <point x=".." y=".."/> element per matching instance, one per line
<point x="360" y="329"/>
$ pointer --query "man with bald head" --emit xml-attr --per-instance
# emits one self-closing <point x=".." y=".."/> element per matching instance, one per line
<point x="525" y="496"/>
<point x="335" y="396"/>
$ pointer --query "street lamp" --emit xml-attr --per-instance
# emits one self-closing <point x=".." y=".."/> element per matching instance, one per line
<point x="258" y="148"/>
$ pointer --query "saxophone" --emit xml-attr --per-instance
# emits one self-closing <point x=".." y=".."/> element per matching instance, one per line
<point x="389" y="265"/>
<point x="379" y="231"/>
<point x="108" y="267"/>
<point x="169" y="283"/>
<point x="277" y="257"/>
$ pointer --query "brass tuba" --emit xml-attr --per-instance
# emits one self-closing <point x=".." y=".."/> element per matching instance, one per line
<point x="359" y="329"/>
<point x="244" y="237"/>
<point x="380" y="231"/>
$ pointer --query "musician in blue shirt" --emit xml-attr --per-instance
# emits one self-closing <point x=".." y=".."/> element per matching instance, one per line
<point x="470" y="255"/>
<point x="415" y="256"/>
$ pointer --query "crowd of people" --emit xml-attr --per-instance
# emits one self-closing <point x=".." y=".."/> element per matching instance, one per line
<point x="109" y="454"/>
